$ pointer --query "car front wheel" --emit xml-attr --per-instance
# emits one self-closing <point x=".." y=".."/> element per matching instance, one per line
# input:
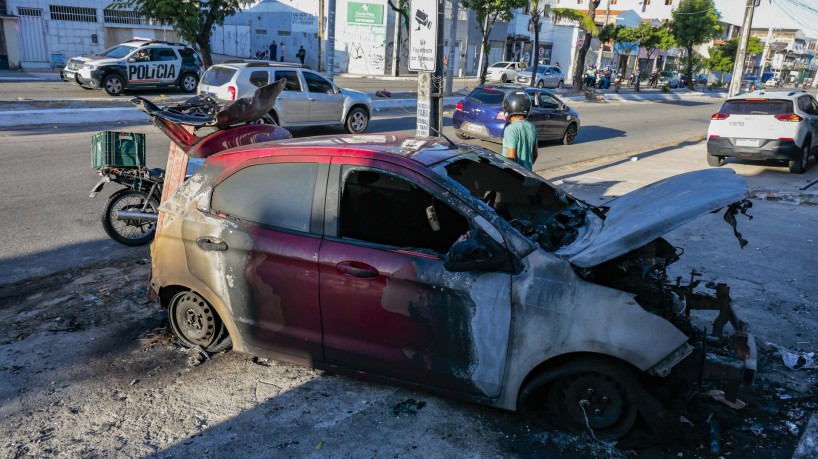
<point x="540" y="84"/>
<point x="357" y="121"/>
<point x="196" y="324"/>
<point x="560" y="84"/>
<point x="570" y="134"/>
<point x="113" y="85"/>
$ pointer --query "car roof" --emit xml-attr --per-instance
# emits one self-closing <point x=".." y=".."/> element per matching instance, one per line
<point x="140" y="42"/>
<point x="769" y="95"/>
<point x="246" y="63"/>
<point x="423" y="151"/>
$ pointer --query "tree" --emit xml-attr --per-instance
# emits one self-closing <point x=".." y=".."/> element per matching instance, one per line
<point x="660" y="38"/>
<point x="723" y="56"/>
<point x="628" y="38"/>
<point x="586" y="23"/>
<point x="488" y="12"/>
<point x="402" y="8"/>
<point x="694" y="22"/>
<point x="538" y="12"/>
<point x="192" y="19"/>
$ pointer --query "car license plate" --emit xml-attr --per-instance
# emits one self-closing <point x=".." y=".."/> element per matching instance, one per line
<point x="475" y="128"/>
<point x="746" y="142"/>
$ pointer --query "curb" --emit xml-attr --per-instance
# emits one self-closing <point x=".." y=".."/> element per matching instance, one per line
<point x="808" y="446"/>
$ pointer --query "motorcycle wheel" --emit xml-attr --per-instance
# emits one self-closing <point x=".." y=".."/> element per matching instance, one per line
<point x="129" y="232"/>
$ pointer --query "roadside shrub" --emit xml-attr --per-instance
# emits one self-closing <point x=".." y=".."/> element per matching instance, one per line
<point x="715" y="85"/>
<point x="665" y="88"/>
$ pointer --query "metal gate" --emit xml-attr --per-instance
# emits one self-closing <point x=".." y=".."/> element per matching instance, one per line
<point x="33" y="46"/>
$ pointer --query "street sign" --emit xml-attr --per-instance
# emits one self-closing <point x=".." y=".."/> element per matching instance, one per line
<point x="423" y="38"/>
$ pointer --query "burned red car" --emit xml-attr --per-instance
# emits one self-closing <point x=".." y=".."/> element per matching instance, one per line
<point x="449" y="268"/>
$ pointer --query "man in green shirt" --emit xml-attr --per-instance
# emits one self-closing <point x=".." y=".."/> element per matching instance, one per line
<point x="520" y="136"/>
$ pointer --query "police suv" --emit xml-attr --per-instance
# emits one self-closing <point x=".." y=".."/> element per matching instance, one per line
<point x="136" y="63"/>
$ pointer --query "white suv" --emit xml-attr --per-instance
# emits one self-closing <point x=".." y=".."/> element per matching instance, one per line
<point x="760" y="125"/>
<point x="309" y="99"/>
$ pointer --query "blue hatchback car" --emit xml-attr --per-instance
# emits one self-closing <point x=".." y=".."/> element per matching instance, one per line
<point x="480" y="115"/>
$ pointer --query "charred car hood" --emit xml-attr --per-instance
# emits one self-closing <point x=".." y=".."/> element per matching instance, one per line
<point x="645" y="214"/>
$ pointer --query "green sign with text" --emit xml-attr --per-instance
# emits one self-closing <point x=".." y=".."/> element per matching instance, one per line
<point x="364" y="13"/>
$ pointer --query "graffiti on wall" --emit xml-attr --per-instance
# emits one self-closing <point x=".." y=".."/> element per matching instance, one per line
<point x="362" y="48"/>
<point x="404" y="55"/>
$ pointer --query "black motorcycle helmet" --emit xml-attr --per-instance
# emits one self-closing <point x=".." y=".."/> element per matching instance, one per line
<point x="516" y="103"/>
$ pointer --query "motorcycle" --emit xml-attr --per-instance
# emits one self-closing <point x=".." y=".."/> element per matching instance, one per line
<point x="130" y="215"/>
<point x="261" y="55"/>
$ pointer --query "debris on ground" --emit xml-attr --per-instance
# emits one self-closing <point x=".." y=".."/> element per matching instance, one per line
<point x="795" y="360"/>
<point x="406" y="408"/>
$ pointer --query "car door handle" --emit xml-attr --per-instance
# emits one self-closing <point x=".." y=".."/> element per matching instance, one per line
<point x="356" y="269"/>
<point x="311" y="98"/>
<point x="211" y="243"/>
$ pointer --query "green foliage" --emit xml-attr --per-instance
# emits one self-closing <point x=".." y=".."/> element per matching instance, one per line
<point x="723" y="57"/>
<point x="582" y="18"/>
<point x="488" y="12"/>
<point x="192" y="19"/>
<point x="695" y="22"/>
<point x="402" y="7"/>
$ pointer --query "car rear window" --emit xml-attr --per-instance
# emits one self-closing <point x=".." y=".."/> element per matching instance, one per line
<point x="487" y="96"/>
<point x="217" y="76"/>
<point x="757" y="107"/>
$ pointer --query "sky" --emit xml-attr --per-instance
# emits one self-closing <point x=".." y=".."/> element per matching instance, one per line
<point x="788" y="14"/>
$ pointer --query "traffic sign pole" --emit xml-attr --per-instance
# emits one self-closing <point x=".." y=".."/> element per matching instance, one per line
<point x="426" y="57"/>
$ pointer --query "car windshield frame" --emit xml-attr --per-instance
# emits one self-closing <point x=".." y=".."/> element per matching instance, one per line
<point x="119" y="51"/>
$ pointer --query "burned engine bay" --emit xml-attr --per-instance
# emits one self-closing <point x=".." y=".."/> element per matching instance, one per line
<point x="548" y="216"/>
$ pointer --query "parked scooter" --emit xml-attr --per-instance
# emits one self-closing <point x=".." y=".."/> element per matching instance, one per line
<point x="130" y="214"/>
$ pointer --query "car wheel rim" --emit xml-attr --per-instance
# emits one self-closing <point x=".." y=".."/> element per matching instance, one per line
<point x="358" y="122"/>
<point x="190" y="83"/>
<point x="113" y="85"/>
<point x="596" y="401"/>
<point x="572" y="133"/>
<point x="194" y="320"/>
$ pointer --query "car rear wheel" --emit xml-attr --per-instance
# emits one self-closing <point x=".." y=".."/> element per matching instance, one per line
<point x="113" y="85"/>
<point x="715" y="161"/>
<point x="196" y="324"/>
<point x="799" y="166"/>
<point x="560" y="84"/>
<point x="357" y="120"/>
<point x="503" y="78"/>
<point x="188" y="82"/>
<point x="570" y="134"/>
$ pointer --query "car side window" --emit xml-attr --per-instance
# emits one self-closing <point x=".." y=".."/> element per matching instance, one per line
<point x="805" y="105"/>
<point x="277" y="195"/>
<point x="293" y="83"/>
<point x="318" y="84"/>
<point x="547" y="101"/>
<point x="164" y="54"/>
<point x="383" y="208"/>
<point x="814" y="104"/>
<point x="533" y="97"/>
<point x="259" y="78"/>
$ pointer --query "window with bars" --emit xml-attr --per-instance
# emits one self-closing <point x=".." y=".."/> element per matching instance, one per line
<point x="124" y="17"/>
<point x="72" y="13"/>
<point x="29" y="11"/>
<point x="668" y="2"/>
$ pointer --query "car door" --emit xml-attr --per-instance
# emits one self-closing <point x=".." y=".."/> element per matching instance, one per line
<point x="258" y="246"/>
<point x="388" y="305"/>
<point x="326" y="105"/>
<point x="292" y="105"/>
<point x="168" y="65"/>
<point x="536" y="116"/>
<point x="554" y="119"/>
<point x="142" y="72"/>
<point x="808" y="106"/>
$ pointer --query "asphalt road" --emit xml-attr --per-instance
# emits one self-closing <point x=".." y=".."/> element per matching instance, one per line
<point x="50" y="224"/>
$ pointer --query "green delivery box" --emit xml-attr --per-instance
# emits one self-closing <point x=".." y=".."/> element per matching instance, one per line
<point x="118" y="149"/>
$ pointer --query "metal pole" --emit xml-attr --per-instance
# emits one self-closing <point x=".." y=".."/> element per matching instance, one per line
<point x="741" y="53"/>
<point x="320" y="34"/>
<point x="601" y="46"/>
<point x="436" y="108"/>
<point x="767" y="45"/>
<point x="452" y="40"/>
<point x="330" y="39"/>
<point x="396" y="46"/>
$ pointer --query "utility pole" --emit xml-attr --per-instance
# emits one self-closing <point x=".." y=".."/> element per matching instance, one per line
<point x="741" y="53"/>
<point x="396" y="44"/>
<point x="602" y="45"/>
<point x="426" y="56"/>
<point x="452" y="40"/>
<point x="330" y="39"/>
<point x="320" y="34"/>
<point x="767" y="46"/>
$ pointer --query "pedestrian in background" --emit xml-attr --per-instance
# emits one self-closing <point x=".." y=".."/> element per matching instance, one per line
<point x="519" y="136"/>
<point x="273" y="50"/>
<point x="283" y="52"/>
<point x="301" y="54"/>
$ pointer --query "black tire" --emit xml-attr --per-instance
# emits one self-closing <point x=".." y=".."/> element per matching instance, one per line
<point x="540" y="84"/>
<point x="570" y="134"/>
<point x="462" y="136"/>
<point x="129" y="232"/>
<point x="188" y="82"/>
<point x="265" y="119"/>
<point x="86" y="87"/>
<point x="196" y="324"/>
<point x="503" y="78"/>
<point x="560" y="84"/>
<point x="714" y="161"/>
<point x="799" y="166"/>
<point x="595" y="400"/>
<point x="113" y="85"/>
<point x="357" y="120"/>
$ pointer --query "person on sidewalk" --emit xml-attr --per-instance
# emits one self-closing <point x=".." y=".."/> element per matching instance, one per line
<point x="301" y="54"/>
<point x="283" y="52"/>
<point x="273" y="50"/>
<point x="519" y="136"/>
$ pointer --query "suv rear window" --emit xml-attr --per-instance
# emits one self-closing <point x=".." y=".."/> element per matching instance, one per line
<point x="487" y="96"/>
<point x="757" y="107"/>
<point x="217" y="76"/>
